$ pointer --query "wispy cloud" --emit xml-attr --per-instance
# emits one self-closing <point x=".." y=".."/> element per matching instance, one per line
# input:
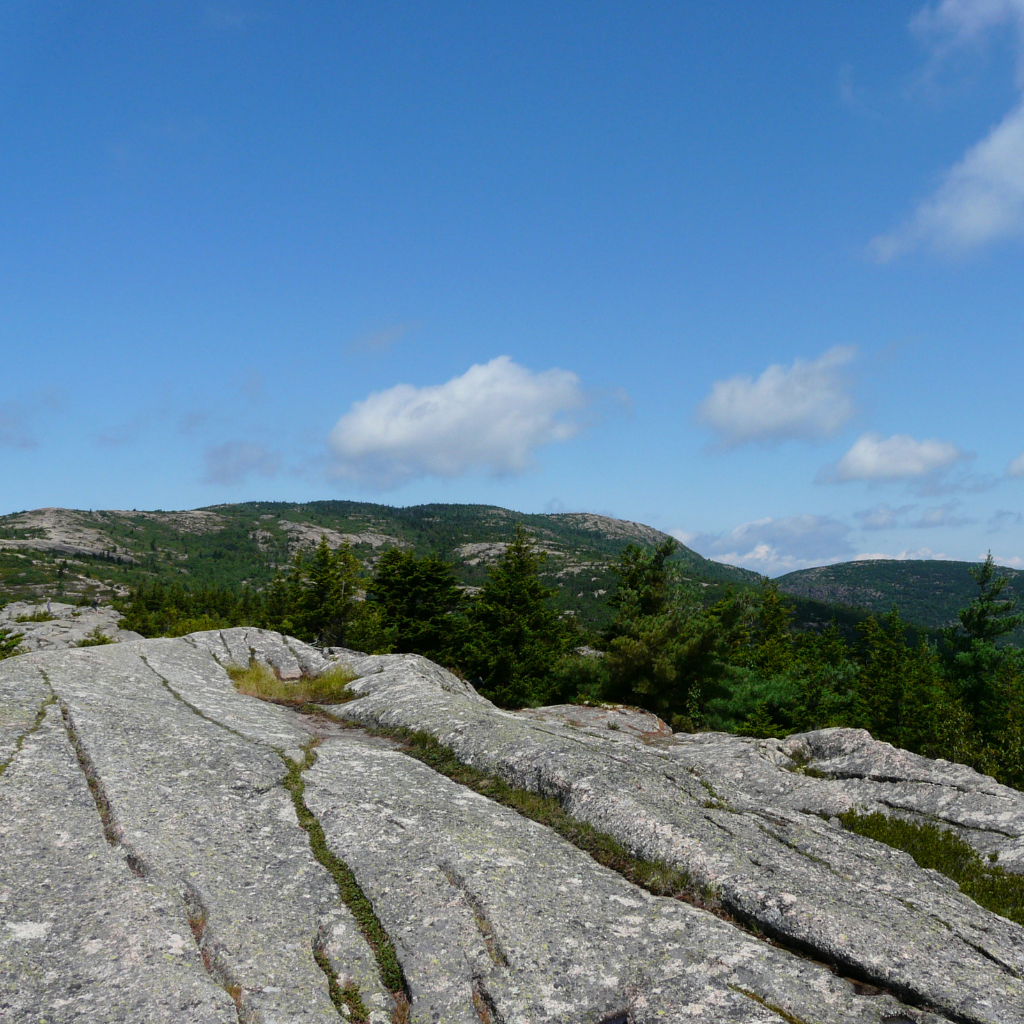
<point x="900" y="457"/>
<point x="901" y="556"/>
<point x="234" y="461"/>
<point x="981" y="198"/>
<point x="124" y="433"/>
<point x="1016" y="467"/>
<point x="17" y="418"/>
<point x="885" y="517"/>
<point x="492" y="418"/>
<point x="382" y="339"/>
<point x="775" y="546"/>
<point x="1002" y="518"/>
<point x="809" y="400"/>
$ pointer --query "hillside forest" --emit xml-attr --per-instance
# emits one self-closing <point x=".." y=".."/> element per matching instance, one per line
<point x="731" y="660"/>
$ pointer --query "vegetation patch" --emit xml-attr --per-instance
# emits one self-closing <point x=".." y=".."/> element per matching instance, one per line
<point x="988" y="885"/>
<point x="256" y="680"/>
<point x="353" y="897"/>
<point x="95" y="638"/>
<point x="39" y="615"/>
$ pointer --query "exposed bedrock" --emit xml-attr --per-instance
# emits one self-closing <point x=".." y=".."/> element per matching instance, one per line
<point x="153" y="866"/>
<point x="849" y="901"/>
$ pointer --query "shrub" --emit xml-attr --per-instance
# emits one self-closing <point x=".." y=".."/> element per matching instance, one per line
<point x="257" y="680"/>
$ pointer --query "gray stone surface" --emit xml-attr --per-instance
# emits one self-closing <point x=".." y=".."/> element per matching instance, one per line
<point x="493" y="916"/>
<point x="851" y="771"/>
<point x="23" y="691"/>
<point x="845" y="899"/>
<point x="483" y="903"/>
<point x="82" y="938"/>
<point x="69" y="626"/>
<point x="200" y="810"/>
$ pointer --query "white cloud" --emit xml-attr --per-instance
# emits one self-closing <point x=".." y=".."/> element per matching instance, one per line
<point x="902" y="556"/>
<point x="899" y="457"/>
<point x="232" y="461"/>
<point x="1013" y="562"/>
<point x="491" y="418"/>
<point x="775" y="546"/>
<point x="1016" y="467"/>
<point x="806" y="400"/>
<point x="980" y="198"/>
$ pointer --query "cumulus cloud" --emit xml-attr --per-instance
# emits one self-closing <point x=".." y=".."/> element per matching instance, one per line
<point x="899" y="457"/>
<point x="807" y="400"/>
<point x="492" y="418"/>
<point x="981" y="198"/>
<point x="233" y="461"/>
<point x="1016" y="467"/>
<point x="775" y="546"/>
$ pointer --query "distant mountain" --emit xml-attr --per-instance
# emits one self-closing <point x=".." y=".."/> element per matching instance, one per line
<point x="929" y="593"/>
<point x="50" y="551"/>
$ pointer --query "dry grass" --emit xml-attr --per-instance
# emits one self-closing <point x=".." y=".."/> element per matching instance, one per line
<point x="258" y="680"/>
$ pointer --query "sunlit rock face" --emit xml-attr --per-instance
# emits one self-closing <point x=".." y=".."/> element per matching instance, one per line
<point x="171" y="850"/>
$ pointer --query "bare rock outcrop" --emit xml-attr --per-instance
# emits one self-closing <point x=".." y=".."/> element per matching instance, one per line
<point x="69" y="626"/>
<point x="173" y="850"/>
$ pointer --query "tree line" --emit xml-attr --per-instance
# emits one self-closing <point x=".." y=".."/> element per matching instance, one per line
<point x="735" y="664"/>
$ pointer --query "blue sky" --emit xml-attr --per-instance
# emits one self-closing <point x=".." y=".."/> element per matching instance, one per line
<point x="750" y="273"/>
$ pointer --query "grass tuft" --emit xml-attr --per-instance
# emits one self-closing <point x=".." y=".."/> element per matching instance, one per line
<point x="932" y="847"/>
<point x="257" y="680"/>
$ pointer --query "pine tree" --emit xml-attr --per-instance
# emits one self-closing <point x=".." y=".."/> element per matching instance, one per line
<point x="516" y="637"/>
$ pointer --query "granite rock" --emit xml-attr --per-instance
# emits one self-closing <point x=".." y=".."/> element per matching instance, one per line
<point x="153" y="866"/>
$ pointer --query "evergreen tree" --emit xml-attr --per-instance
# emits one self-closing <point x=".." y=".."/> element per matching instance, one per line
<point x="664" y="647"/>
<point x="973" y="657"/>
<point x="516" y="637"/>
<point x="320" y="594"/>
<point x="773" y="652"/>
<point x="421" y="601"/>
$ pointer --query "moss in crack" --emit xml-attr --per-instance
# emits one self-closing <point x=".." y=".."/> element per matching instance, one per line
<point x="777" y="1010"/>
<point x="939" y="849"/>
<point x="353" y="897"/>
<point x="654" y="876"/>
<point x="34" y="727"/>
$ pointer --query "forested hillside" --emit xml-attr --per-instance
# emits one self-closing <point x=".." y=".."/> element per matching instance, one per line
<point x="72" y="552"/>
<point x="926" y="592"/>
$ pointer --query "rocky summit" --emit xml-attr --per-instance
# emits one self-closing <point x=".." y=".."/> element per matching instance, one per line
<point x="172" y="850"/>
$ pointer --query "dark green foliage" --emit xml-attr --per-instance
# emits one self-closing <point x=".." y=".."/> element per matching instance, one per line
<point x="666" y="650"/>
<point x="158" y="609"/>
<point x="515" y="636"/>
<point x="932" y="847"/>
<point x="929" y="593"/>
<point x="316" y="602"/>
<point x="10" y="643"/>
<point x="95" y="638"/>
<point x="973" y="657"/>
<point x="421" y="600"/>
